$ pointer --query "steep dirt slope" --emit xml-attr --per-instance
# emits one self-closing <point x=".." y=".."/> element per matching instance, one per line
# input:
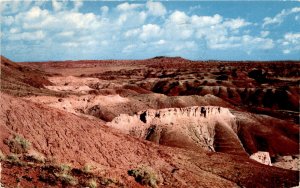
<point x="67" y="138"/>
<point x="265" y="133"/>
<point x="21" y="80"/>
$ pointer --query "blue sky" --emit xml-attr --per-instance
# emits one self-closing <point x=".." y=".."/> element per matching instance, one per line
<point x="198" y="30"/>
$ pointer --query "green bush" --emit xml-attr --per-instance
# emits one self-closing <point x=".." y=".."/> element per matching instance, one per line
<point x="144" y="175"/>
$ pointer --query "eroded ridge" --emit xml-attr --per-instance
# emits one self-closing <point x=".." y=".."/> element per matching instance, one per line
<point x="198" y="127"/>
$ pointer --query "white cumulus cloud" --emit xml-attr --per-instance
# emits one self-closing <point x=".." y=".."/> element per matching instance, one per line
<point x="202" y="21"/>
<point x="27" y="36"/>
<point x="132" y="32"/>
<point x="57" y="6"/>
<point x="264" y="33"/>
<point x="128" y="7"/>
<point x="149" y="31"/>
<point x="138" y="28"/>
<point x="290" y="43"/>
<point x="77" y="4"/>
<point x="279" y="18"/>
<point x="236" y="23"/>
<point x="178" y="18"/>
<point x="104" y="9"/>
<point x="156" y="8"/>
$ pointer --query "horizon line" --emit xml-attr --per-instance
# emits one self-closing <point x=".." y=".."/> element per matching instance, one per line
<point x="155" y="57"/>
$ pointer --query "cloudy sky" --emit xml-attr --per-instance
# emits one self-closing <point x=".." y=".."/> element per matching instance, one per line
<point x="199" y="30"/>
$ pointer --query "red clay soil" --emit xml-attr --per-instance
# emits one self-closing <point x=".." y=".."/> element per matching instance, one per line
<point x="29" y="174"/>
<point x="67" y="138"/>
<point x="22" y="80"/>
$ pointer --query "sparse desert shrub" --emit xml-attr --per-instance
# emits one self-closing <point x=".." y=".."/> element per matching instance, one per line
<point x="87" y="168"/>
<point x="48" y="178"/>
<point x="18" y="144"/>
<point x="64" y="175"/>
<point x="38" y="159"/>
<point x="145" y="176"/>
<point x="34" y="158"/>
<point x="51" y="160"/>
<point x="2" y="156"/>
<point x="107" y="181"/>
<point x="65" y="168"/>
<point x="14" y="159"/>
<point x="92" y="183"/>
<point x="66" y="178"/>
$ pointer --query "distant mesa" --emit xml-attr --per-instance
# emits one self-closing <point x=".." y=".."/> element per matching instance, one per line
<point x="170" y="58"/>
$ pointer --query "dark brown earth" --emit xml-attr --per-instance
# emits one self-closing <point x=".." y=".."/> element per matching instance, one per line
<point x="64" y="108"/>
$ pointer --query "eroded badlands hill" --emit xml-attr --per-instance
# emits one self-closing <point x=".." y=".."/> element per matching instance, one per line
<point x="191" y="127"/>
<point x="270" y="88"/>
<point x="22" y="80"/>
<point x="66" y="138"/>
<point x="203" y="120"/>
<point x="212" y="128"/>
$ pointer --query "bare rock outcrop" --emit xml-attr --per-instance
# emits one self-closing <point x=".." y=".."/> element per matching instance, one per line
<point x="204" y="127"/>
<point x="290" y="162"/>
<point x="262" y="157"/>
